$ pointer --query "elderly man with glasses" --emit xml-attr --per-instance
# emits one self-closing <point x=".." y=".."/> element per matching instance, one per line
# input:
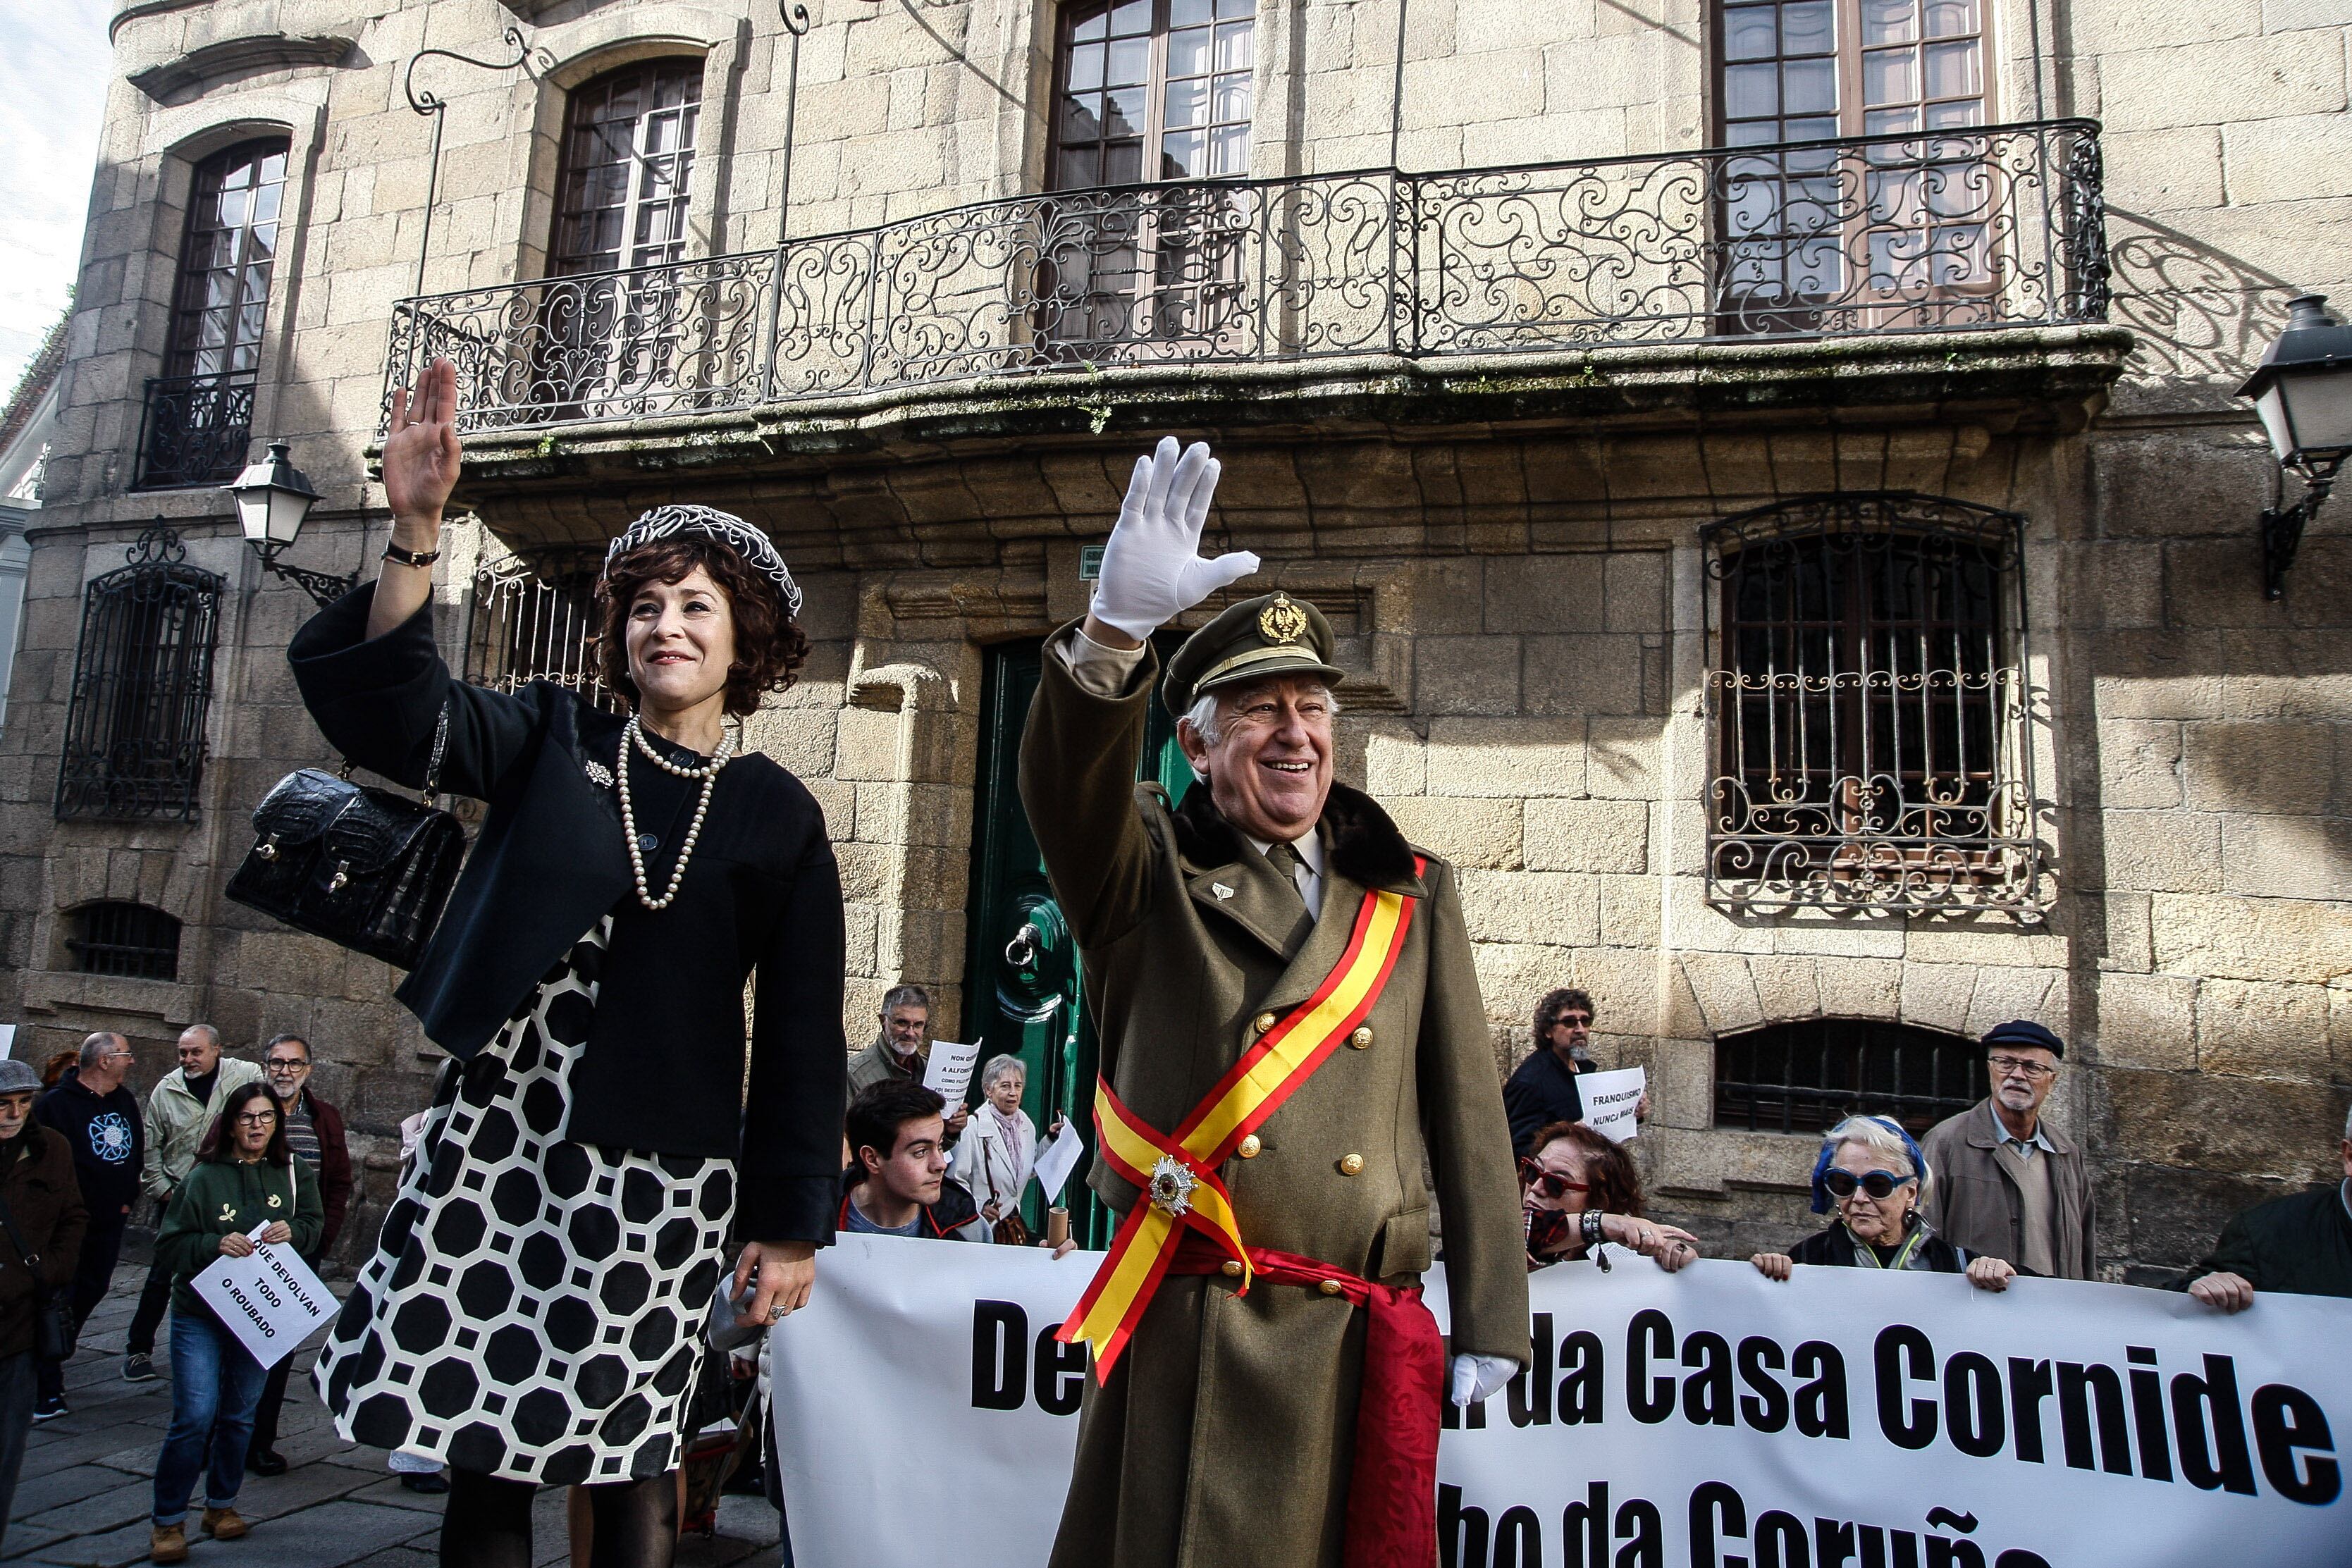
<point x="2009" y="1185"/>
<point x="314" y="1131"/>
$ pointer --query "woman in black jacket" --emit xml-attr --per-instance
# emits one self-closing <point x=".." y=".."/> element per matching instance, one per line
<point x="530" y="1316"/>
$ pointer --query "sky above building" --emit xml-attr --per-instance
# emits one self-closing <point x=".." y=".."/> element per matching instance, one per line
<point x="54" y="63"/>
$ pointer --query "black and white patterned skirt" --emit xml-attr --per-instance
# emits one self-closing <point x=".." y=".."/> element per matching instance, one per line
<point x="534" y="1308"/>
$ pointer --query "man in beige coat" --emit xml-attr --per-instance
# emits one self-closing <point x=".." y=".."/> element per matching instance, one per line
<point x="1225" y="1430"/>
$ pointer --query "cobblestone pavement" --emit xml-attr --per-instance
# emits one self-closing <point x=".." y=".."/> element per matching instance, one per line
<point x="83" y="1497"/>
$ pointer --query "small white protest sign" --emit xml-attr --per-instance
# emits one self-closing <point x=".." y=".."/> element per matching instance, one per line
<point x="1609" y="1099"/>
<point x="948" y="1074"/>
<point x="270" y="1298"/>
<point x="1058" y="1159"/>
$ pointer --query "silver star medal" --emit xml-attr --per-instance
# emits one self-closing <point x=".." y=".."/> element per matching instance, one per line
<point x="1172" y="1185"/>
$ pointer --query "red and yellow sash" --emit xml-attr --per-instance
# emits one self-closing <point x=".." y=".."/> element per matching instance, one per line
<point x="1178" y="1173"/>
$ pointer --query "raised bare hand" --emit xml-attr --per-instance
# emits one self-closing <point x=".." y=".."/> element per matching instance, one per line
<point x="421" y="450"/>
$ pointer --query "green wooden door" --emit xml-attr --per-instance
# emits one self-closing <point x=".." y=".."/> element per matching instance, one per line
<point x="1022" y="974"/>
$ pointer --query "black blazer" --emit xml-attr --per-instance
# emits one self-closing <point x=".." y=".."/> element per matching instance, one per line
<point x="663" y="1069"/>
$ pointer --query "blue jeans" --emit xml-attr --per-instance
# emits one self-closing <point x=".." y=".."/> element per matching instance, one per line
<point x="215" y="1384"/>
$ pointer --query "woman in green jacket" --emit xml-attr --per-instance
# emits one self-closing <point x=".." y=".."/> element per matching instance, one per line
<point x="246" y="1178"/>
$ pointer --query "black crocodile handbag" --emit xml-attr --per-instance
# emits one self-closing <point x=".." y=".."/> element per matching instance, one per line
<point x="361" y="866"/>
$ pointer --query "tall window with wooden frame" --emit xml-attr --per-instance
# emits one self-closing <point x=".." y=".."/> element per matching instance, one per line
<point x="1151" y="98"/>
<point x="198" y="417"/>
<point x="1869" y="707"/>
<point x="624" y="183"/>
<point x="1884" y="212"/>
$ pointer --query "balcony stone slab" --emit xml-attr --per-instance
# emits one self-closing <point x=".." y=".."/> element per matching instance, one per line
<point x="1009" y="457"/>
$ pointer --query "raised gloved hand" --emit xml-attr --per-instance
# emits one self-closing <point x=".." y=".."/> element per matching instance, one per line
<point x="1477" y="1377"/>
<point x="1152" y="569"/>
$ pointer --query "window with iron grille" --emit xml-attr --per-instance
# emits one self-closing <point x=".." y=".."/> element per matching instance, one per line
<point x="199" y="413"/>
<point x="1146" y="93"/>
<point x="1805" y="1077"/>
<point x="1868" y="707"/>
<point x="134" y="744"/>
<point x="535" y="625"/>
<point x="130" y="939"/>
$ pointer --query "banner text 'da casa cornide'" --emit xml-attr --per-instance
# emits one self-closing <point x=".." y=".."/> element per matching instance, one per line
<point x="1713" y="1418"/>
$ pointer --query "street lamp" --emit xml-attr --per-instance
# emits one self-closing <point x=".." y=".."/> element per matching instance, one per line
<point x="273" y="499"/>
<point x="2302" y="392"/>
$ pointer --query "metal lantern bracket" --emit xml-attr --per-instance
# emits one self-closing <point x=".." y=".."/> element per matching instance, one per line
<point x="427" y="103"/>
<point x="323" y="587"/>
<point x="2283" y="525"/>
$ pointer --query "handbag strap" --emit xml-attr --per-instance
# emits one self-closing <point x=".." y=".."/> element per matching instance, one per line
<point x="440" y="746"/>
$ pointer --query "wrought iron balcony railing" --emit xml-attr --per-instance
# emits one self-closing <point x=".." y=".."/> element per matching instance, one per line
<point x="1991" y="227"/>
<point x="194" y="429"/>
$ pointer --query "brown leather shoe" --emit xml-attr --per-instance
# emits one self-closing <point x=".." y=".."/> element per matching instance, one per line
<point x="223" y="1524"/>
<point x="167" y="1543"/>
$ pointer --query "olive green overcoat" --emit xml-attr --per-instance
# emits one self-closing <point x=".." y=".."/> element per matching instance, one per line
<point x="1224" y="1435"/>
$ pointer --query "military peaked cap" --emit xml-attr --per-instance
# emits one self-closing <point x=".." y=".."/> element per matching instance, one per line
<point x="1273" y="634"/>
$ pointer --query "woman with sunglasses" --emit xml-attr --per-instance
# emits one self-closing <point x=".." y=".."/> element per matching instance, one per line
<point x="246" y="1178"/>
<point x="1577" y="1190"/>
<point x="1875" y="1177"/>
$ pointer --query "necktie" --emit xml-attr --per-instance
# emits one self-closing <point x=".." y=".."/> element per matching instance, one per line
<point x="1285" y="860"/>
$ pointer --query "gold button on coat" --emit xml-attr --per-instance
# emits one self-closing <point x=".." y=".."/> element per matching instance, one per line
<point x="1248" y="1147"/>
<point x="1351" y="1164"/>
<point x="1263" y="1022"/>
<point x="1362" y="1038"/>
<point x="1233" y="1269"/>
<point x="1330" y="1287"/>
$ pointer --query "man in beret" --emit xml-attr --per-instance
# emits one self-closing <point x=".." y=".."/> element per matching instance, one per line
<point x="2008" y="1185"/>
<point x="1290" y="1024"/>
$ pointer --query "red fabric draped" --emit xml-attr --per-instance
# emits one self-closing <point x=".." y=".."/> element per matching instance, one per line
<point x="1393" y="1480"/>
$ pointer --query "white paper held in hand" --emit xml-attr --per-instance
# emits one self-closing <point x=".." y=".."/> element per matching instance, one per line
<point x="270" y="1298"/>
<point x="948" y="1075"/>
<point x="1609" y="1099"/>
<point x="1058" y="1159"/>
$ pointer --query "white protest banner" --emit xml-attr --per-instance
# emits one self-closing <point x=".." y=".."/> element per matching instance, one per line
<point x="1610" y="1101"/>
<point x="270" y="1298"/>
<point x="1845" y="1419"/>
<point x="1058" y="1159"/>
<point x="950" y="1340"/>
<point x="948" y="1072"/>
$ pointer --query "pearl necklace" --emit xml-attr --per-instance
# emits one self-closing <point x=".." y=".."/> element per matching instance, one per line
<point x="633" y="740"/>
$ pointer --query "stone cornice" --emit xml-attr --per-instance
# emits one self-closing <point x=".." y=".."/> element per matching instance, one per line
<point x="237" y="57"/>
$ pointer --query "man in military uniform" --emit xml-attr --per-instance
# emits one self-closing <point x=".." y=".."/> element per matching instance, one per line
<point x="1290" y="1026"/>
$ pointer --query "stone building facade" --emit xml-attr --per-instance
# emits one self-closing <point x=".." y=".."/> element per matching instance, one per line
<point x="1809" y="586"/>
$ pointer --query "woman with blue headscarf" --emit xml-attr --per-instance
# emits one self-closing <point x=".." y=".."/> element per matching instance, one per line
<point x="1875" y="1177"/>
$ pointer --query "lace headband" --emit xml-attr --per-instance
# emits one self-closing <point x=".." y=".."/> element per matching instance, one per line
<point x="758" y="552"/>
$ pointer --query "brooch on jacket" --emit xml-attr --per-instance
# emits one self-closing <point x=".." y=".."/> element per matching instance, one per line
<point x="598" y="774"/>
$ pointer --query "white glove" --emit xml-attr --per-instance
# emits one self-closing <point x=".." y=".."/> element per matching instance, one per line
<point x="1477" y="1377"/>
<point x="1152" y="569"/>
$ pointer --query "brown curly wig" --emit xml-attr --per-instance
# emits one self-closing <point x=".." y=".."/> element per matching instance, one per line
<point x="769" y="646"/>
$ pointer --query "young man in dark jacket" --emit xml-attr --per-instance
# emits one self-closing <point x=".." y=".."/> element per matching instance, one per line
<point x="897" y="1181"/>
<point x="314" y="1131"/>
<point x="44" y="1211"/>
<point x="97" y="1115"/>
